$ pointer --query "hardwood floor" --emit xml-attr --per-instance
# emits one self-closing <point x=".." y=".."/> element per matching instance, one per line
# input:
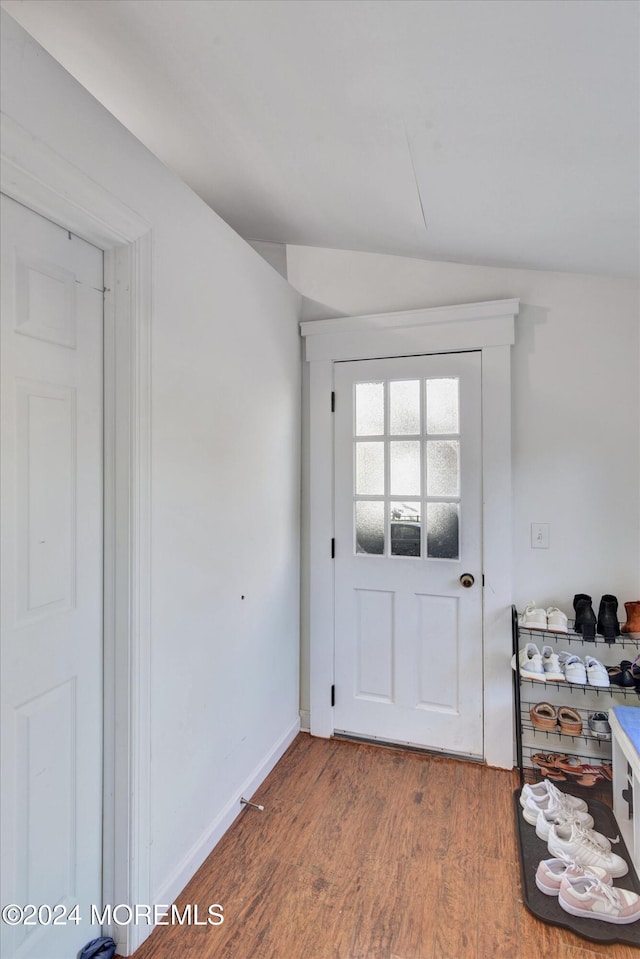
<point x="364" y="852"/>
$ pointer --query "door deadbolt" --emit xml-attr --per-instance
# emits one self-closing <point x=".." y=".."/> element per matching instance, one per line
<point x="467" y="580"/>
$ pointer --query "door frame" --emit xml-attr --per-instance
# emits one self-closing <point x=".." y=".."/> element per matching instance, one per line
<point x="488" y="327"/>
<point x="34" y="175"/>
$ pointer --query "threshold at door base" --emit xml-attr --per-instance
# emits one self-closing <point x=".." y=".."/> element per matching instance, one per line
<point x="408" y="747"/>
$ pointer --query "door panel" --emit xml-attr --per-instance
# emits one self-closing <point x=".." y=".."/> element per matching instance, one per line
<point x="408" y="640"/>
<point x="51" y="502"/>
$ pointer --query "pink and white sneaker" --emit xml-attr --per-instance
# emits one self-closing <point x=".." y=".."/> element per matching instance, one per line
<point x="591" y="898"/>
<point x="551" y="872"/>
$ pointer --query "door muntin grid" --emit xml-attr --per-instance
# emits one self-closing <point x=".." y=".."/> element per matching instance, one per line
<point x="406" y="475"/>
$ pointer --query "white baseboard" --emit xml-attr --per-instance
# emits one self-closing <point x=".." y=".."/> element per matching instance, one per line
<point x="212" y="835"/>
<point x="305" y="720"/>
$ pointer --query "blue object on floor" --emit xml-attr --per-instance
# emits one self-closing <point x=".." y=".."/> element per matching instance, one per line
<point x="103" y="947"/>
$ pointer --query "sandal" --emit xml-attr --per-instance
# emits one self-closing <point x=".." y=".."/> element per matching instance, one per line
<point x="549" y="761"/>
<point x="570" y="721"/>
<point x="588" y="780"/>
<point x="544" y="716"/>
<point x="554" y="774"/>
<point x="573" y="766"/>
<point x="585" y="773"/>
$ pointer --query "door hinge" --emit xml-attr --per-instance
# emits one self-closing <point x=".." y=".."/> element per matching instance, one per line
<point x="333" y="695"/>
<point x="333" y="549"/>
<point x="333" y="402"/>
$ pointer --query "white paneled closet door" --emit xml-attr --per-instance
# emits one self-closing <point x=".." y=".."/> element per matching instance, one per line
<point x="52" y="559"/>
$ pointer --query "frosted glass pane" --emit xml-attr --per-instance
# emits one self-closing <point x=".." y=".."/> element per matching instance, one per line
<point x="370" y="468"/>
<point x="370" y="528"/>
<point x="404" y="406"/>
<point x="405" y="468"/>
<point x="442" y="531"/>
<point x="369" y="409"/>
<point x="442" y="406"/>
<point x="443" y="476"/>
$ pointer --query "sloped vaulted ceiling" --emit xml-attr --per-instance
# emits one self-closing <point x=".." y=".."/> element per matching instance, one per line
<point x="483" y="131"/>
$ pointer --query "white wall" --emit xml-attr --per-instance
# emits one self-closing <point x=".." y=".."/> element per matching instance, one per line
<point x="576" y="408"/>
<point x="225" y="471"/>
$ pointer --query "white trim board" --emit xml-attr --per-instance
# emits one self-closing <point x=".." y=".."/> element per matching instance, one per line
<point x="214" y="832"/>
<point x="36" y="176"/>
<point x="490" y="328"/>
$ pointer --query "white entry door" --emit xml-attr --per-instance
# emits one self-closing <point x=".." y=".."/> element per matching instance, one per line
<point x="51" y="492"/>
<point x="408" y="633"/>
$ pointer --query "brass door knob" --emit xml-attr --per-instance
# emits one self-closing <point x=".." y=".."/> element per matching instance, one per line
<point x="467" y="580"/>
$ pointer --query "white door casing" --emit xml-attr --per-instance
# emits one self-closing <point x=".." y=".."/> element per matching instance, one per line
<point x="488" y="327"/>
<point x="41" y="179"/>
<point x="408" y="634"/>
<point x="51" y="483"/>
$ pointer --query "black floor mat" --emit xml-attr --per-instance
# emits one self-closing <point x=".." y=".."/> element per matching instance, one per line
<point x="532" y="849"/>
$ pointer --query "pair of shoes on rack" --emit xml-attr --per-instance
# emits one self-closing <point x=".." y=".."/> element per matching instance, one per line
<point x="548" y="666"/>
<point x="568" y="721"/>
<point x="561" y="767"/>
<point x="606" y="623"/>
<point x="546" y="717"/>
<point x="552" y="620"/>
<point x="590" y="671"/>
<point x="587" y="891"/>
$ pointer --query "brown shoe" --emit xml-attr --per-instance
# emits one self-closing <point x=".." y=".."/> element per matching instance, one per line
<point x="544" y="716"/>
<point x="570" y="721"/>
<point x="632" y="625"/>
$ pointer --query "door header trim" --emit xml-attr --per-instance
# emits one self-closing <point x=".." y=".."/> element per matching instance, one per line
<point x="464" y="326"/>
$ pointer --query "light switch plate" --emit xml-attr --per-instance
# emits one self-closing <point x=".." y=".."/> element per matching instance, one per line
<point x="539" y="536"/>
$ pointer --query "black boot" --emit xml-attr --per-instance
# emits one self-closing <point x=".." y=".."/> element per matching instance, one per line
<point x="608" y="624"/>
<point x="585" y="617"/>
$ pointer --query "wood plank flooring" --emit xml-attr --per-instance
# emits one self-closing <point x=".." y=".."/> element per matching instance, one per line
<point x="364" y="852"/>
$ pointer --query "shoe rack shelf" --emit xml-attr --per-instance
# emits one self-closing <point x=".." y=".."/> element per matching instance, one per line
<point x="585" y="699"/>
<point x="569" y="782"/>
<point x="618" y="692"/>
<point x="546" y="637"/>
<point x="557" y="734"/>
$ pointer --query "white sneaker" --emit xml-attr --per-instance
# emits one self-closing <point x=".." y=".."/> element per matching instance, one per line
<point x="551" y="665"/>
<point x="557" y="622"/>
<point x="543" y="791"/>
<point x="533" y="617"/>
<point x="530" y="662"/>
<point x="562" y="817"/>
<point x="555" y="812"/>
<point x="596" y="672"/>
<point x="550" y="873"/>
<point x="574" y="668"/>
<point x="590" y="897"/>
<point x="572" y="841"/>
